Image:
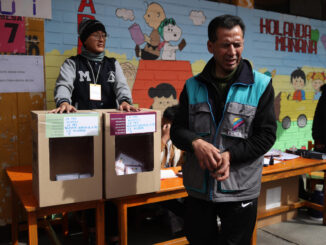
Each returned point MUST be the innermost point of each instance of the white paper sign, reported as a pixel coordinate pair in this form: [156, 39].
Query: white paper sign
[273, 197]
[27, 8]
[21, 73]
[80, 126]
[140, 124]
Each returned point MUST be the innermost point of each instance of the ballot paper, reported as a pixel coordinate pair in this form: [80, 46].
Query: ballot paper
[72, 176]
[127, 165]
[167, 174]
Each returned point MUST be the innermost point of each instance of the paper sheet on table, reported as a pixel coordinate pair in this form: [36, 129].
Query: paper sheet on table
[167, 173]
[286, 156]
[266, 161]
[279, 155]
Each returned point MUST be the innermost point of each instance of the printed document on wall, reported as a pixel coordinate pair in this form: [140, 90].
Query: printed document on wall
[21, 73]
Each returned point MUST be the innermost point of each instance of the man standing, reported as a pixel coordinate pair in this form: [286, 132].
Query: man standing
[225, 123]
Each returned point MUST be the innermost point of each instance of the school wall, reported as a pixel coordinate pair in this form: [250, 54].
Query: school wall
[276, 44]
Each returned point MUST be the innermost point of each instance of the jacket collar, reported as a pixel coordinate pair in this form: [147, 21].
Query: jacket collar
[244, 75]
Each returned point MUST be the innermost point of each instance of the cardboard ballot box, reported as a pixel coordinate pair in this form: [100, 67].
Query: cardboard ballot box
[132, 152]
[67, 157]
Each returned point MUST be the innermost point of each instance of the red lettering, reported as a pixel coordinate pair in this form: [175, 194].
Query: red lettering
[276, 27]
[300, 45]
[290, 44]
[84, 4]
[312, 47]
[264, 26]
[288, 29]
[307, 31]
[279, 41]
[299, 30]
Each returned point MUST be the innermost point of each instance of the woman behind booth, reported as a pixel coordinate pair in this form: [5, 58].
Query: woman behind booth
[319, 123]
[93, 81]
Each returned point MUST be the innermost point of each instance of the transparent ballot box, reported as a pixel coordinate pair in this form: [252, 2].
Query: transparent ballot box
[67, 157]
[132, 152]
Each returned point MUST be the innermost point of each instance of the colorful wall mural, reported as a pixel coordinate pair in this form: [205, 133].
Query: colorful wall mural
[160, 44]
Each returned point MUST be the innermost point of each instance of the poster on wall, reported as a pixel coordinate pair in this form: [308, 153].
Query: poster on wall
[21, 73]
[27, 8]
[12, 38]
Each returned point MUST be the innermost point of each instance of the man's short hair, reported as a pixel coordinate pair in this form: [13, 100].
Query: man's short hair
[224, 21]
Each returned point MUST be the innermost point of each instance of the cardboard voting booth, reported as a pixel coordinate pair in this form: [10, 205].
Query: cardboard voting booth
[67, 157]
[132, 152]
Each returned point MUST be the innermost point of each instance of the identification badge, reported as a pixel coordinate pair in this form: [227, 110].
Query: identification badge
[95, 92]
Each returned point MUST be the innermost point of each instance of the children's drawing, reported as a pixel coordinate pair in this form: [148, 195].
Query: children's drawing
[298, 81]
[169, 31]
[164, 95]
[154, 16]
[198, 18]
[125, 14]
[317, 79]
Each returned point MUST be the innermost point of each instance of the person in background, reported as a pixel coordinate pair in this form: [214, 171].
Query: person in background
[225, 123]
[91, 80]
[88, 81]
[319, 123]
[170, 155]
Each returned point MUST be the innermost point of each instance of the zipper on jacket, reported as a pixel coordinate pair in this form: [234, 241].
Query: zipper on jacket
[238, 83]
[211, 181]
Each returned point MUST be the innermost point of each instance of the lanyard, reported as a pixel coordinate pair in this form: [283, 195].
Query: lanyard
[98, 72]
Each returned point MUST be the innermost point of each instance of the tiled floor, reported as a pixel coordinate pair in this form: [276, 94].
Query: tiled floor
[302, 231]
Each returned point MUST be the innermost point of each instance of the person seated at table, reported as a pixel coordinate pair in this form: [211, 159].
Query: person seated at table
[319, 123]
[170, 212]
[170, 155]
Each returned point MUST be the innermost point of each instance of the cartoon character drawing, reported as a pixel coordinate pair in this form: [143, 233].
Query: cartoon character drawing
[169, 31]
[154, 16]
[270, 74]
[298, 81]
[317, 79]
[164, 95]
[130, 71]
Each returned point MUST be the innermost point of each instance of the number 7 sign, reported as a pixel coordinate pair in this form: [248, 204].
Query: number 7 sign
[12, 38]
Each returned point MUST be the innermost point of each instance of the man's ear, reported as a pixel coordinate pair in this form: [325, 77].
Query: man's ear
[210, 46]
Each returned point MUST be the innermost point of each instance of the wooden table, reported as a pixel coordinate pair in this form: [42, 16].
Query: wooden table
[170, 189]
[21, 182]
[173, 188]
[291, 168]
